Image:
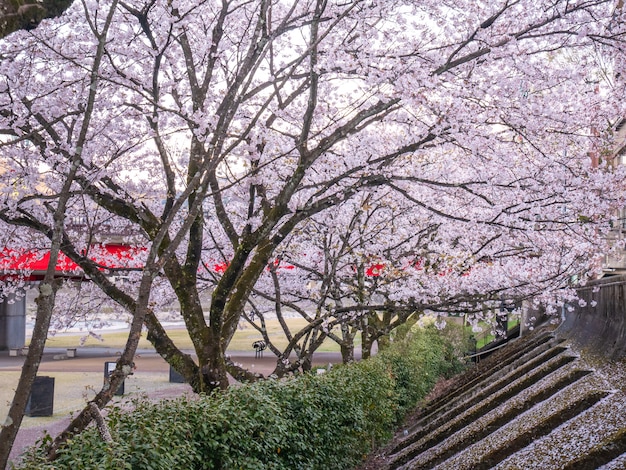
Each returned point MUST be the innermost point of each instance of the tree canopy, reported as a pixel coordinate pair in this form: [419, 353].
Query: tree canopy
[461, 149]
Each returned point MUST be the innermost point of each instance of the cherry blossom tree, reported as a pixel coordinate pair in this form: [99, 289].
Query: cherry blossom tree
[369, 264]
[220, 129]
[52, 220]
[329, 272]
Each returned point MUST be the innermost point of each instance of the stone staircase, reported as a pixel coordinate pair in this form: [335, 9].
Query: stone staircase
[538, 403]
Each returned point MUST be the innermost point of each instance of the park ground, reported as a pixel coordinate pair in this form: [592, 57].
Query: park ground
[78, 379]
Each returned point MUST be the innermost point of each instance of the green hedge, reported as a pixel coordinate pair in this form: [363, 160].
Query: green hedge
[309, 422]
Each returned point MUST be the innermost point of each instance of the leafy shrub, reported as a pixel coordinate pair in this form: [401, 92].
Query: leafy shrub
[310, 422]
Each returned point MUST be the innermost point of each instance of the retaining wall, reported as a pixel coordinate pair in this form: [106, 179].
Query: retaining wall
[599, 323]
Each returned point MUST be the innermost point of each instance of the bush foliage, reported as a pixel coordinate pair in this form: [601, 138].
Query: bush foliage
[309, 422]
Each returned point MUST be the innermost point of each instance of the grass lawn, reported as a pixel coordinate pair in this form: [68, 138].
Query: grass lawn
[486, 337]
[242, 341]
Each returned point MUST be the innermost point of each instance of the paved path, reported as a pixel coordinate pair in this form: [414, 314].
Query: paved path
[77, 379]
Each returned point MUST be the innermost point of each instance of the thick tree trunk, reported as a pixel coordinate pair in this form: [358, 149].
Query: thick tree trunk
[307, 364]
[346, 344]
[366, 345]
[19, 14]
[214, 371]
[347, 352]
[45, 305]
[369, 333]
[284, 368]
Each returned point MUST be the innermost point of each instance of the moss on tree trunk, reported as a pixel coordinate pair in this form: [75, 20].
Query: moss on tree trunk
[18, 14]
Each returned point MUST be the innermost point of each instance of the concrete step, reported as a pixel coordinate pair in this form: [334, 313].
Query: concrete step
[504, 359]
[619, 463]
[554, 374]
[519, 367]
[485, 396]
[550, 407]
[610, 451]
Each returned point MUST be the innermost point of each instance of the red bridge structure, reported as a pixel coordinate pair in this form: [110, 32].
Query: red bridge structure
[31, 265]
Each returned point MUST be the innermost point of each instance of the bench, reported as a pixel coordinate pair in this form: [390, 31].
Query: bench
[259, 347]
[14, 352]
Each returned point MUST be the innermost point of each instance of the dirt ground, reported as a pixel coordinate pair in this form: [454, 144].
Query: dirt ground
[78, 379]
